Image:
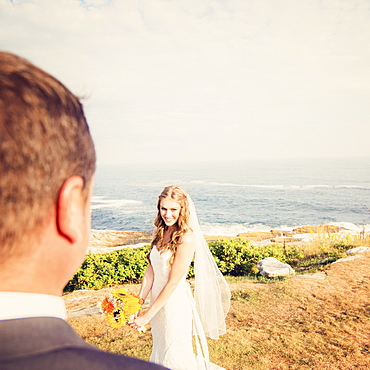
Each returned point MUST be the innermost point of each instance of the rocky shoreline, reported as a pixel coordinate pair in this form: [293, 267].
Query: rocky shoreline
[104, 241]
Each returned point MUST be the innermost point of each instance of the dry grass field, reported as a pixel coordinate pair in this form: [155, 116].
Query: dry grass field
[282, 324]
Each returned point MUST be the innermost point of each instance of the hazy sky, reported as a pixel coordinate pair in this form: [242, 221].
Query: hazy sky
[178, 80]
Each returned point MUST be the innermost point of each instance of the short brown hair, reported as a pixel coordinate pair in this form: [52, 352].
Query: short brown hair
[44, 140]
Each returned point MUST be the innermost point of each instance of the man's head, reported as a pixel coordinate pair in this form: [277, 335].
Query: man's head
[44, 140]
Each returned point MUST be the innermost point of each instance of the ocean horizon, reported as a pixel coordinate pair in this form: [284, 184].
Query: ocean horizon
[238, 196]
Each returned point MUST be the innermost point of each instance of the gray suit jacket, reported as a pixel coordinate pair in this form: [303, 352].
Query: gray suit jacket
[52, 344]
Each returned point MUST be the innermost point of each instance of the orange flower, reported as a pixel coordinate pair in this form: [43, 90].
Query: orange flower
[107, 306]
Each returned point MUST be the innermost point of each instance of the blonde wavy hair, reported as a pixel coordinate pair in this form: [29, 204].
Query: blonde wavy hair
[178, 195]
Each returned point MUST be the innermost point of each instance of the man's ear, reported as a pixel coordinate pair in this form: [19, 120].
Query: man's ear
[71, 209]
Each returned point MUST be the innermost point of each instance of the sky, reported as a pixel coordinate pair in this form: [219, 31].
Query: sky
[201, 80]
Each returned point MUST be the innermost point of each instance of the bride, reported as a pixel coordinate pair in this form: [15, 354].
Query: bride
[174, 314]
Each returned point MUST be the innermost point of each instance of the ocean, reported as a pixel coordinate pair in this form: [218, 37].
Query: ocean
[235, 197]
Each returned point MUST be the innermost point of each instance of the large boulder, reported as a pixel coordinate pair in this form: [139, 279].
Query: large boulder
[271, 267]
[350, 258]
[358, 250]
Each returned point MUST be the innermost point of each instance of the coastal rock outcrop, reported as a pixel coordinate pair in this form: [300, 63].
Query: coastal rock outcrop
[295, 235]
[271, 267]
[330, 229]
[358, 250]
[103, 241]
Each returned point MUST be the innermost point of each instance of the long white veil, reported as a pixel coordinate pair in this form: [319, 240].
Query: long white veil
[212, 293]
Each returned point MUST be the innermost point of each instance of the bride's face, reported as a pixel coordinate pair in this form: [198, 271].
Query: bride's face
[170, 211]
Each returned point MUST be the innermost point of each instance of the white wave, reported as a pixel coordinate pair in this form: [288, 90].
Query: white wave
[351, 187]
[98, 202]
[283, 187]
[197, 182]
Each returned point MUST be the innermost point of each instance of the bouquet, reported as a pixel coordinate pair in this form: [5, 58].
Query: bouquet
[119, 306]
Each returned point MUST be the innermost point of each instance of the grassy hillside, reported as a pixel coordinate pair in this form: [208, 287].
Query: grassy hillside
[282, 324]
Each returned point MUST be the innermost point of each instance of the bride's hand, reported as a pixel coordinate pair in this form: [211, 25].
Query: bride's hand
[139, 321]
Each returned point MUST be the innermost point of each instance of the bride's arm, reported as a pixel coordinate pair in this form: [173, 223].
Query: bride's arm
[183, 258]
[147, 283]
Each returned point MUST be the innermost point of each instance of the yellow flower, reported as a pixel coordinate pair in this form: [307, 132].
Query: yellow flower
[131, 306]
[120, 293]
[116, 318]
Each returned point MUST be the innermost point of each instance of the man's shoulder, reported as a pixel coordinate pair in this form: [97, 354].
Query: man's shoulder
[81, 358]
[48, 343]
[78, 358]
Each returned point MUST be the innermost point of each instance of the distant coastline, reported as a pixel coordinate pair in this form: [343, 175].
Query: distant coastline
[104, 241]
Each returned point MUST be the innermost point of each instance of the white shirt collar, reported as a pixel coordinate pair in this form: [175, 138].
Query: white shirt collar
[16, 305]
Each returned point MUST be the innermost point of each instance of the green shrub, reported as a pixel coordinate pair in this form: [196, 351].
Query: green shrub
[191, 271]
[237, 257]
[107, 269]
[342, 247]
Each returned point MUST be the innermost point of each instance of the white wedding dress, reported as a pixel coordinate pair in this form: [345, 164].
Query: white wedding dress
[173, 325]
